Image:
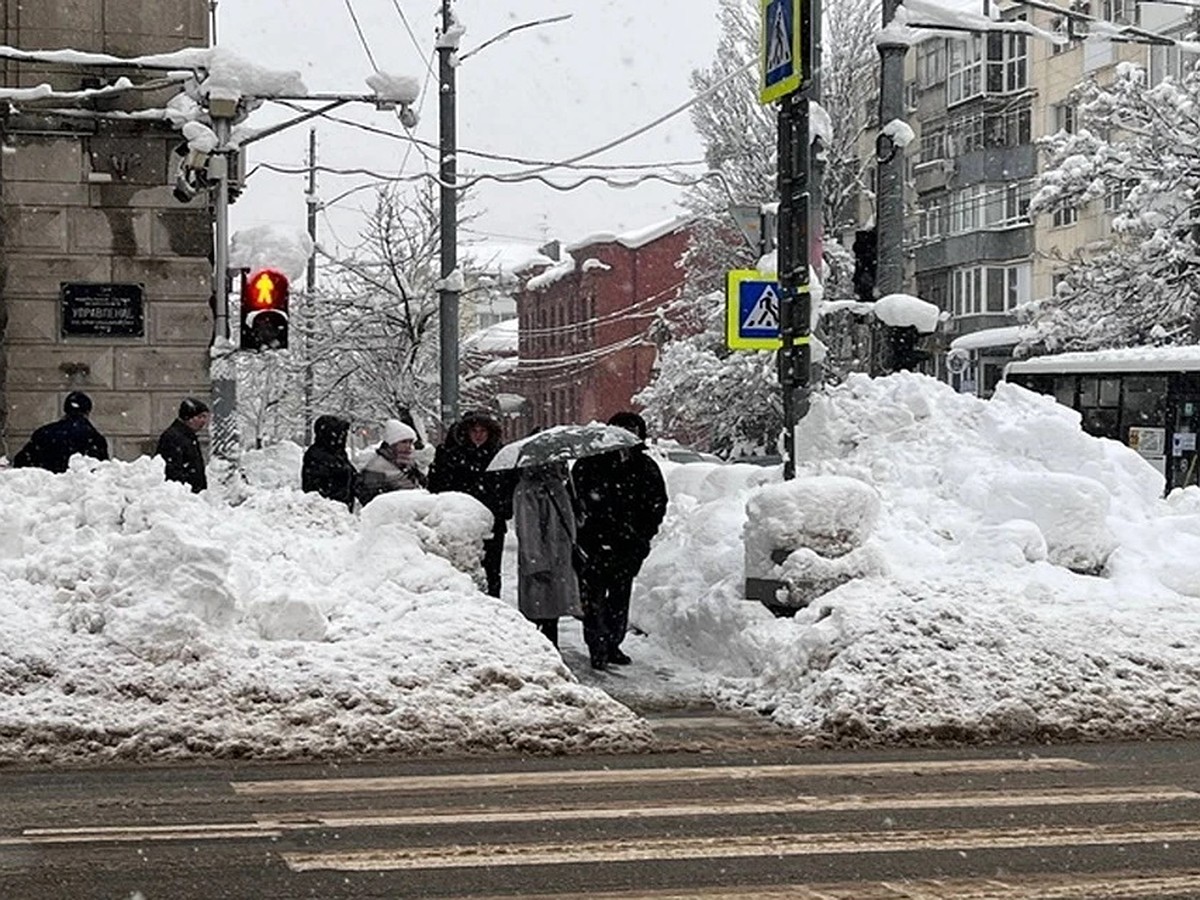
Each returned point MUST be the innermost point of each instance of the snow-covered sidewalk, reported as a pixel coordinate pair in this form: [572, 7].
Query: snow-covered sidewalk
[1006, 577]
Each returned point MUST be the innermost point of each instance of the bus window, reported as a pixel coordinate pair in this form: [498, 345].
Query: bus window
[1145, 401]
[1100, 422]
[1064, 390]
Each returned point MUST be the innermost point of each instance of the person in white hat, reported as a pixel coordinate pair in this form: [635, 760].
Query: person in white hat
[391, 468]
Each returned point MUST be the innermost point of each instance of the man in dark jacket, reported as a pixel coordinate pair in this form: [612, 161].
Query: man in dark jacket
[52, 446]
[179, 446]
[327, 469]
[460, 464]
[622, 500]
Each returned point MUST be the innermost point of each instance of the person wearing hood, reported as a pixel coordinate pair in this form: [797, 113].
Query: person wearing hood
[391, 467]
[622, 500]
[461, 464]
[52, 446]
[544, 518]
[179, 446]
[327, 469]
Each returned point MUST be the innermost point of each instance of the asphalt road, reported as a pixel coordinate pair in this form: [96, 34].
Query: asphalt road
[739, 814]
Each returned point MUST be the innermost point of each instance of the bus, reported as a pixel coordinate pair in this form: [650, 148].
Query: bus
[1146, 397]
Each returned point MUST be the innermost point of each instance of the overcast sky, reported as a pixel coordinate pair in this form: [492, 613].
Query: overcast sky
[547, 93]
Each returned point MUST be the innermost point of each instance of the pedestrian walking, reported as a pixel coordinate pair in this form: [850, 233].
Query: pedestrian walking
[327, 469]
[622, 500]
[460, 464]
[391, 467]
[544, 518]
[179, 445]
[51, 446]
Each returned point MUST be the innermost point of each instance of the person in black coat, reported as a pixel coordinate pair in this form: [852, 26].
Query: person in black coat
[622, 500]
[460, 464]
[52, 446]
[179, 446]
[327, 469]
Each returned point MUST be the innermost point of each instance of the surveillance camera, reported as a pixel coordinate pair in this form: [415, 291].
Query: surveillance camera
[185, 189]
[407, 116]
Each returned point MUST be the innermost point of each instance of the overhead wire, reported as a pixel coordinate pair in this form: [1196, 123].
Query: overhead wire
[362, 38]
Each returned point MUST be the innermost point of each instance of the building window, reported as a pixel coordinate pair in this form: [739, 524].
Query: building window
[932, 212]
[1116, 197]
[990, 289]
[965, 208]
[1007, 69]
[964, 75]
[1007, 206]
[931, 63]
[1123, 12]
[1062, 218]
[1062, 118]
[933, 143]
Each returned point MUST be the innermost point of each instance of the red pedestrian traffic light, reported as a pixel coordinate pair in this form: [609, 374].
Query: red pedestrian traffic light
[265, 310]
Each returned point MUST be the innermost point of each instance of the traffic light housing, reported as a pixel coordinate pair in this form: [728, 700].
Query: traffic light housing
[264, 310]
[865, 257]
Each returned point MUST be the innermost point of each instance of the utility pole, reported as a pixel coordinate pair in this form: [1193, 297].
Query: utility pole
[224, 362]
[310, 285]
[448, 176]
[889, 159]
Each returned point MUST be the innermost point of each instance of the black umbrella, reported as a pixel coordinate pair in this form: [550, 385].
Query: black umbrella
[561, 443]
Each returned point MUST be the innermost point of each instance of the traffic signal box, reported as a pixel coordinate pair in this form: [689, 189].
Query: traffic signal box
[264, 310]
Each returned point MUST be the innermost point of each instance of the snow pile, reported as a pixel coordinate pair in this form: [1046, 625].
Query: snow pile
[1030, 581]
[138, 620]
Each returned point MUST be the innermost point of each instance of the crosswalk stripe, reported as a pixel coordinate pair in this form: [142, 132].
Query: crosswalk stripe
[1112, 885]
[276, 824]
[846, 803]
[733, 847]
[661, 776]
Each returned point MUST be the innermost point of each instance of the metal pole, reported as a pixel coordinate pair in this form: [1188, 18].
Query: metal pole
[794, 305]
[310, 286]
[224, 366]
[448, 293]
[890, 161]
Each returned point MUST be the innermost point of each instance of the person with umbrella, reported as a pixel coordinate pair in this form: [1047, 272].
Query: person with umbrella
[461, 464]
[544, 515]
[622, 500]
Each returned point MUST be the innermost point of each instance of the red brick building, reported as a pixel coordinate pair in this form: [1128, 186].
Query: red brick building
[587, 324]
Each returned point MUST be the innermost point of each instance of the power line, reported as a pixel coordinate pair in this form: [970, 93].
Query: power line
[362, 38]
[501, 157]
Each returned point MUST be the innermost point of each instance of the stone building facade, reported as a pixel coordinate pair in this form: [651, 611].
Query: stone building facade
[87, 214]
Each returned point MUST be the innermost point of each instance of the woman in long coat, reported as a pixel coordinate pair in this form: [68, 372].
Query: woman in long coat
[545, 522]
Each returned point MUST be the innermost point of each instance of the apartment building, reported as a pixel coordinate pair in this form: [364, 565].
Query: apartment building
[978, 105]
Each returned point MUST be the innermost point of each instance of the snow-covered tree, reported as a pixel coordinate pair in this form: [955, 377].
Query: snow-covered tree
[740, 144]
[1135, 152]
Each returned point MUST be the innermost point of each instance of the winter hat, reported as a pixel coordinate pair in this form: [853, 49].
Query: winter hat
[191, 407]
[631, 422]
[77, 404]
[394, 431]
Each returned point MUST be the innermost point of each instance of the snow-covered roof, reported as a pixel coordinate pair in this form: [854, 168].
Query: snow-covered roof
[505, 259]
[1006, 336]
[1121, 359]
[637, 238]
[496, 340]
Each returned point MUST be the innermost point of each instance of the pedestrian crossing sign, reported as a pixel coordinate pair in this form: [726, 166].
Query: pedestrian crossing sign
[780, 49]
[752, 301]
